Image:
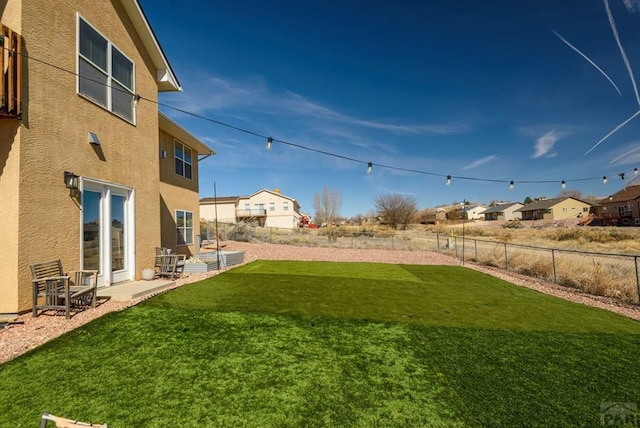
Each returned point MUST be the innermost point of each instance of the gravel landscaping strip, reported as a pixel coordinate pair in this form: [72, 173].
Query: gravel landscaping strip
[28, 332]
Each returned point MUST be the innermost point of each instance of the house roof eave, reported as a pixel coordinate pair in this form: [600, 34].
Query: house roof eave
[177, 131]
[165, 77]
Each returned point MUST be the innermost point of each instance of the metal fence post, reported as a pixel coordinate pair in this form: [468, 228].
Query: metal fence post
[438, 242]
[506, 258]
[475, 244]
[553, 263]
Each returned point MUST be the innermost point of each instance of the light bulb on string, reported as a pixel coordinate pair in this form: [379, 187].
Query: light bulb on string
[448, 180]
[511, 185]
[564, 184]
[604, 179]
[269, 143]
[369, 167]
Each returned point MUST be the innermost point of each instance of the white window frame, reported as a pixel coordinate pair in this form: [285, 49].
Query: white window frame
[111, 82]
[187, 232]
[285, 206]
[183, 160]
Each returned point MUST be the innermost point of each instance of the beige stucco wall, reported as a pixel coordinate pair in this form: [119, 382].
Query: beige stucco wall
[177, 193]
[9, 195]
[278, 217]
[569, 208]
[226, 212]
[53, 138]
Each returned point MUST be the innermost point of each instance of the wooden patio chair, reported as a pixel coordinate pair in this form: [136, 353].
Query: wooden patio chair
[167, 264]
[66, 423]
[61, 290]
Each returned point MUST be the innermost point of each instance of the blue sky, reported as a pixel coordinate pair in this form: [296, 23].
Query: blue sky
[497, 90]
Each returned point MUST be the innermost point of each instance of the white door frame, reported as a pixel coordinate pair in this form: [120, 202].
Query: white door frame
[106, 275]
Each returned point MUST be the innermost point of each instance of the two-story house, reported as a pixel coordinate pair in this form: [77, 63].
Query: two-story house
[265, 207]
[622, 208]
[86, 159]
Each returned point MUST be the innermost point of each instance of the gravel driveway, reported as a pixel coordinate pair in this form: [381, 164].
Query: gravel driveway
[28, 333]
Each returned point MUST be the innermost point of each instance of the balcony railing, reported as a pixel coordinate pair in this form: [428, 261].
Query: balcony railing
[11, 67]
[255, 212]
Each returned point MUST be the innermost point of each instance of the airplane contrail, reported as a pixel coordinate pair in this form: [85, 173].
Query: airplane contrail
[588, 59]
[616, 129]
[622, 52]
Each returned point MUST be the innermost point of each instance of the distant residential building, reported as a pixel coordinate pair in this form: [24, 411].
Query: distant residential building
[505, 211]
[265, 207]
[474, 212]
[555, 209]
[434, 216]
[623, 207]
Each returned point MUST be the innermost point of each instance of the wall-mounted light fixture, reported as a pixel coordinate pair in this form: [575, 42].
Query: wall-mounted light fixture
[93, 138]
[70, 180]
[163, 153]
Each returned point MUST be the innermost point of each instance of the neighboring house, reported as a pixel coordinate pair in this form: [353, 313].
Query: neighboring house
[474, 212]
[267, 208]
[434, 216]
[622, 208]
[507, 211]
[82, 173]
[554, 209]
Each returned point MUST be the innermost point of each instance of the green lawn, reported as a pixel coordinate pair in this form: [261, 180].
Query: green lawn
[334, 344]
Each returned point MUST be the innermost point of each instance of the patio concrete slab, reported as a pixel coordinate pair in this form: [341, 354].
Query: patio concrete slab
[134, 289]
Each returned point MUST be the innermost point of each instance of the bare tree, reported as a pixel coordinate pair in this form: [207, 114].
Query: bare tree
[327, 206]
[396, 210]
[570, 194]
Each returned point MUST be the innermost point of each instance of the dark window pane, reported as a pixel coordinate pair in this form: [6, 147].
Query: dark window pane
[93, 46]
[92, 83]
[122, 69]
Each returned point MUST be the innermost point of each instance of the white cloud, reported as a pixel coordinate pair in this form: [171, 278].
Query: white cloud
[213, 93]
[479, 162]
[544, 145]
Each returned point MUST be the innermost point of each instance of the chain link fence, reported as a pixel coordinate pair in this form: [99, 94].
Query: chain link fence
[605, 274]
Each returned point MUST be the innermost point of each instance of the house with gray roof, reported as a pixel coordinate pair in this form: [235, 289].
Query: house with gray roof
[555, 209]
[506, 211]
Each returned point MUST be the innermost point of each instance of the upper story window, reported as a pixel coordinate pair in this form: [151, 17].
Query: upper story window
[285, 206]
[105, 75]
[184, 158]
[272, 206]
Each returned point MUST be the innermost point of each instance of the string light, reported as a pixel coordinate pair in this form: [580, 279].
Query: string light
[137, 97]
[134, 101]
[564, 184]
